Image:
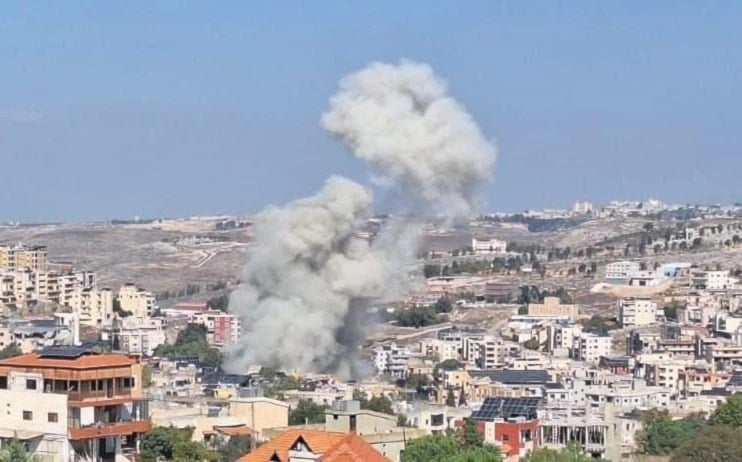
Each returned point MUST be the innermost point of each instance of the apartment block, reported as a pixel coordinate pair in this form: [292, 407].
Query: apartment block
[221, 328]
[711, 280]
[620, 272]
[590, 347]
[552, 306]
[67, 404]
[483, 245]
[634, 312]
[139, 336]
[139, 302]
[95, 307]
[18, 257]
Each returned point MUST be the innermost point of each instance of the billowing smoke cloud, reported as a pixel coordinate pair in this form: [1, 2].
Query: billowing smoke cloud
[400, 120]
[309, 278]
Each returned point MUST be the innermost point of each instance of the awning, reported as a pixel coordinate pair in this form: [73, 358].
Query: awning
[22, 435]
[239, 430]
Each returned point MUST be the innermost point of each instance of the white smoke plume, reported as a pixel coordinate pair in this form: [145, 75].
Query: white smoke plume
[309, 278]
[400, 120]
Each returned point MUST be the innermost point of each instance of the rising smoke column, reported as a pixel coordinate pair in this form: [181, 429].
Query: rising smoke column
[400, 120]
[306, 272]
[309, 279]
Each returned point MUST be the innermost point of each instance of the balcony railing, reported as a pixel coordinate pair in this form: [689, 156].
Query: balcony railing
[77, 396]
[102, 430]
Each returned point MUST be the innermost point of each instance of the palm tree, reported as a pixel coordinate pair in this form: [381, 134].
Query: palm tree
[15, 451]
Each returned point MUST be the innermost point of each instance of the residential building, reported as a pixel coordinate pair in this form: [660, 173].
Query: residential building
[711, 280]
[260, 413]
[221, 328]
[304, 445]
[590, 347]
[620, 272]
[69, 404]
[552, 306]
[18, 257]
[391, 360]
[136, 301]
[440, 349]
[138, 336]
[634, 312]
[485, 245]
[95, 307]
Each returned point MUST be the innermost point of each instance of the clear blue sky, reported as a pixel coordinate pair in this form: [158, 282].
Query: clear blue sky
[117, 109]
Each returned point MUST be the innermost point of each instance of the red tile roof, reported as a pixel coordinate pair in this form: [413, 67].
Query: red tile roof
[333, 446]
[87, 361]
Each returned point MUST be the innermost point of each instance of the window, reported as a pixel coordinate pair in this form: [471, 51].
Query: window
[3, 383]
[505, 437]
[27, 415]
[53, 417]
[30, 384]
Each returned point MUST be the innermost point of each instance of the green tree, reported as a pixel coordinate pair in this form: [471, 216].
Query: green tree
[168, 443]
[378, 404]
[443, 305]
[440, 448]
[450, 398]
[665, 435]
[16, 451]
[307, 412]
[10, 351]
[730, 413]
[572, 453]
[146, 376]
[532, 344]
[715, 443]
[192, 341]
[447, 365]
[234, 448]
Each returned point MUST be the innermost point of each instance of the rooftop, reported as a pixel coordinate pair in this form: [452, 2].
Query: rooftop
[333, 447]
[85, 360]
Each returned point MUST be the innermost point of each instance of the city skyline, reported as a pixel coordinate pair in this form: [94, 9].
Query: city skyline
[160, 111]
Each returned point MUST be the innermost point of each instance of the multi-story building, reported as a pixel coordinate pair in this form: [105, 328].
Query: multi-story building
[69, 404]
[139, 302]
[221, 328]
[590, 347]
[95, 307]
[561, 338]
[138, 336]
[440, 349]
[633, 312]
[17, 257]
[620, 272]
[391, 360]
[483, 245]
[711, 280]
[552, 306]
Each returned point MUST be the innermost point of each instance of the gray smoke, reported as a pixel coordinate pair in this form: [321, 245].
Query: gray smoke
[309, 278]
[400, 120]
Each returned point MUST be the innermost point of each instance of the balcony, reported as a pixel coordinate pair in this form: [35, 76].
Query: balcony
[102, 430]
[95, 397]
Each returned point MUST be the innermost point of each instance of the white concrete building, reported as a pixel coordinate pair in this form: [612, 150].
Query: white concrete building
[484, 245]
[620, 272]
[711, 280]
[391, 360]
[633, 312]
[590, 347]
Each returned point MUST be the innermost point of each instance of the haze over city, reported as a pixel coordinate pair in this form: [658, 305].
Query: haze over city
[156, 109]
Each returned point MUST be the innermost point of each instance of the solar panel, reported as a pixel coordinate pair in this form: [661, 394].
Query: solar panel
[62, 352]
[506, 408]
